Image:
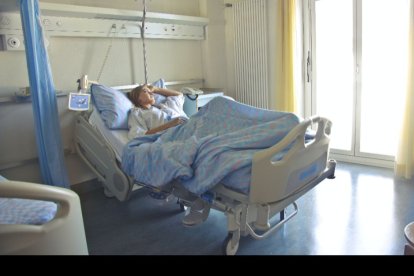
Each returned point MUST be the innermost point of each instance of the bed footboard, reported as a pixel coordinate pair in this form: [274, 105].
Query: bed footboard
[273, 181]
[100, 157]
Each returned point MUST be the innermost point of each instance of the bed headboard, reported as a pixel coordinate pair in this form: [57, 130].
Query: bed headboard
[167, 83]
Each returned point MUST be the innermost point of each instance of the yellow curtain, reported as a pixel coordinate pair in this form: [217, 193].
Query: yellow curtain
[404, 160]
[285, 87]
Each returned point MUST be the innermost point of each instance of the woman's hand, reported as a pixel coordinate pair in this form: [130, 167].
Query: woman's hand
[151, 88]
[172, 123]
[175, 122]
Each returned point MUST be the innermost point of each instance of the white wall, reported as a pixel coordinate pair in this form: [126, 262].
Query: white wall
[70, 57]
[214, 47]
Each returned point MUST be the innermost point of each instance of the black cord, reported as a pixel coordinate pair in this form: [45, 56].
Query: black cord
[193, 99]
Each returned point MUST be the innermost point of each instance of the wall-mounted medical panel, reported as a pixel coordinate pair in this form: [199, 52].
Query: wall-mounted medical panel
[63, 10]
[82, 21]
[80, 27]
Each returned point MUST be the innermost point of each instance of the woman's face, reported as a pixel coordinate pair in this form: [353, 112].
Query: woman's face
[146, 96]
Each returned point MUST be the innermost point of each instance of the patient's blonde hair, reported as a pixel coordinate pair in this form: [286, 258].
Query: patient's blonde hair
[133, 96]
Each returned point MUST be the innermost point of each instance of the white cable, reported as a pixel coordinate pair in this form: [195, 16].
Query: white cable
[144, 48]
[108, 51]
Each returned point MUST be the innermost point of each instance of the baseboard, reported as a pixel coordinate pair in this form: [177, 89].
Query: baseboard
[363, 160]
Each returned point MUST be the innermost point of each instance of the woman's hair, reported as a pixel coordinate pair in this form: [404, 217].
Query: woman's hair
[133, 96]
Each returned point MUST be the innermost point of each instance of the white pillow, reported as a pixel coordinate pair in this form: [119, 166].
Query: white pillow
[114, 106]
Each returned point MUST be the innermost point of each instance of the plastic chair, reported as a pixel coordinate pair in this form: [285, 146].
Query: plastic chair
[409, 236]
[62, 235]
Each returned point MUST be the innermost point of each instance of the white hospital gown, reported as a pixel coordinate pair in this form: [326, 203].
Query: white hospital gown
[141, 120]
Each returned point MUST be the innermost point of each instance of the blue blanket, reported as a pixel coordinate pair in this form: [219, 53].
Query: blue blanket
[215, 146]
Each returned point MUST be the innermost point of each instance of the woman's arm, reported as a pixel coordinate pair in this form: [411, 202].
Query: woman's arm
[172, 123]
[165, 92]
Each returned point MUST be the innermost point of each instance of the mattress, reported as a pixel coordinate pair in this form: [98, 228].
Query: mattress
[116, 138]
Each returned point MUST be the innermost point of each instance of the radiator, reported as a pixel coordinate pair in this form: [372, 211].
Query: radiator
[250, 48]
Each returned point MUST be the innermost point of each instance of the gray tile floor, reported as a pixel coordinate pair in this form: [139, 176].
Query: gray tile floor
[361, 212]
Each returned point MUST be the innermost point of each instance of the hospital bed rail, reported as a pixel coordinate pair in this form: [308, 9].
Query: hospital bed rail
[265, 171]
[275, 185]
[99, 156]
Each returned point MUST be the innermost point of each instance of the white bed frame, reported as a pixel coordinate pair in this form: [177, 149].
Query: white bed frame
[274, 185]
[63, 235]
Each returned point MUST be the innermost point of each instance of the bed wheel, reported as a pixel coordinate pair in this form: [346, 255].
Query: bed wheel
[332, 163]
[227, 248]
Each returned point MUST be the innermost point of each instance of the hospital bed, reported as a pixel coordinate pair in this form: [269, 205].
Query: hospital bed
[39, 219]
[275, 185]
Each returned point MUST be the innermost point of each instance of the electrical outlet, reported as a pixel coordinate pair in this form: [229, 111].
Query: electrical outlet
[12, 43]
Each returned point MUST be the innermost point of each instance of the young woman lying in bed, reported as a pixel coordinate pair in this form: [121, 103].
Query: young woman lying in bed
[147, 117]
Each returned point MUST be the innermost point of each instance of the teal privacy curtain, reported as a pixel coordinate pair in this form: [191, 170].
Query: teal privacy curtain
[45, 112]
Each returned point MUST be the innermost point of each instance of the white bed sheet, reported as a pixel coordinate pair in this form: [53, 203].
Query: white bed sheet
[116, 138]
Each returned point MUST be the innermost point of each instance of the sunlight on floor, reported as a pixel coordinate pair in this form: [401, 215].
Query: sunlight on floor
[354, 216]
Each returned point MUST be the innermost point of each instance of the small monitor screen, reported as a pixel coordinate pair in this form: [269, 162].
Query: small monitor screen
[79, 101]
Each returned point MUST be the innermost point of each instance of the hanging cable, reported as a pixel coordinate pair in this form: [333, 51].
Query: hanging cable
[144, 48]
[108, 51]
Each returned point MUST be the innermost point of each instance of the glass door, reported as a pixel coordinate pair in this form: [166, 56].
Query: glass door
[334, 62]
[359, 54]
[383, 65]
